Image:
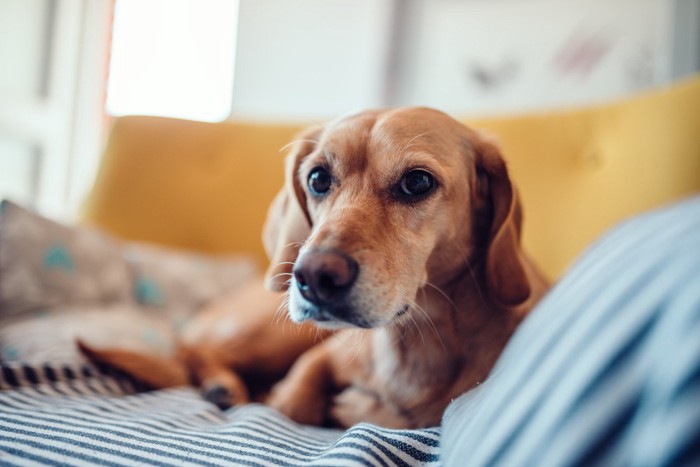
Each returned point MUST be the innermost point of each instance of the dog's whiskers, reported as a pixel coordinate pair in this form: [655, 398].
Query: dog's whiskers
[476, 282]
[408, 145]
[415, 324]
[292, 143]
[358, 346]
[401, 325]
[280, 274]
[280, 313]
[441, 292]
[420, 309]
[318, 337]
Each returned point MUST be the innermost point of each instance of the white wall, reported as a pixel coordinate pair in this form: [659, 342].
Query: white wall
[310, 58]
[320, 58]
[316, 59]
[503, 56]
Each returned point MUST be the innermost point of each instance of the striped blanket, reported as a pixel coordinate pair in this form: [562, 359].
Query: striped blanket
[606, 371]
[81, 415]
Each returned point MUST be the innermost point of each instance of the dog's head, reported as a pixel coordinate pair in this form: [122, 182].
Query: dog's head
[379, 204]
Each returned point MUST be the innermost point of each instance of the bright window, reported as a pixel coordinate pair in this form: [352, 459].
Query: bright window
[173, 58]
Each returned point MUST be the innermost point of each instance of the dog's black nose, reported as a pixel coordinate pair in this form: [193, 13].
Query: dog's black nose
[325, 275]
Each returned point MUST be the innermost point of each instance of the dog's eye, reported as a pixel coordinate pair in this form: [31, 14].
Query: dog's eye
[319, 181]
[417, 182]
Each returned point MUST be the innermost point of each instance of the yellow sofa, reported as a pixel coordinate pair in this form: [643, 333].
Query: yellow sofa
[206, 187]
[603, 372]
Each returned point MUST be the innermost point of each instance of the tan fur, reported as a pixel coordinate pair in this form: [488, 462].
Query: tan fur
[240, 344]
[454, 259]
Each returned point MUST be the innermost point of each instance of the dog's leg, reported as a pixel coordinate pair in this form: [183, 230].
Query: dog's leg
[219, 384]
[356, 405]
[304, 394]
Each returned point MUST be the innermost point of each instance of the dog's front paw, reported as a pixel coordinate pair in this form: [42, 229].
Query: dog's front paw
[356, 405]
[353, 406]
[302, 406]
[225, 389]
[225, 397]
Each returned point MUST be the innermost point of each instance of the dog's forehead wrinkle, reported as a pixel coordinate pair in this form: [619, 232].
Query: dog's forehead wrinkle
[389, 143]
[410, 123]
[402, 141]
[346, 148]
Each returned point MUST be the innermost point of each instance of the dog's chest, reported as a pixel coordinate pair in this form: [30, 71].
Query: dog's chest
[401, 372]
[385, 359]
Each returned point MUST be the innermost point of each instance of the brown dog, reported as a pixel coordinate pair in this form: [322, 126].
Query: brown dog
[406, 222]
[233, 350]
[403, 226]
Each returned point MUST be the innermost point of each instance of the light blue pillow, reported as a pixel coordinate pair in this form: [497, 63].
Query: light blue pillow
[606, 370]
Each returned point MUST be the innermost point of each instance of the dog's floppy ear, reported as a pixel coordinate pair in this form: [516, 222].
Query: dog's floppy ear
[506, 275]
[288, 223]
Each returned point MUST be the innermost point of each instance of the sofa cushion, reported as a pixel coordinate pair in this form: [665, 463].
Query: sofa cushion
[58, 283]
[49, 335]
[580, 171]
[606, 370]
[178, 283]
[44, 264]
[191, 185]
[207, 186]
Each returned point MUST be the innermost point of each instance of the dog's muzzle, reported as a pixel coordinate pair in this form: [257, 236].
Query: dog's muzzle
[324, 279]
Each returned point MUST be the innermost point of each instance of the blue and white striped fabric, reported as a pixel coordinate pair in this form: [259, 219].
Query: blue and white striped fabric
[63, 415]
[606, 371]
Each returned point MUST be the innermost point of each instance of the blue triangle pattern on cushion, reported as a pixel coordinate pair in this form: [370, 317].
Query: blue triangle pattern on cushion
[40, 313]
[153, 338]
[9, 352]
[148, 292]
[58, 257]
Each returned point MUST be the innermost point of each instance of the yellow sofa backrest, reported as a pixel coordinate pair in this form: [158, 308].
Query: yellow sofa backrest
[193, 185]
[581, 171]
[206, 186]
